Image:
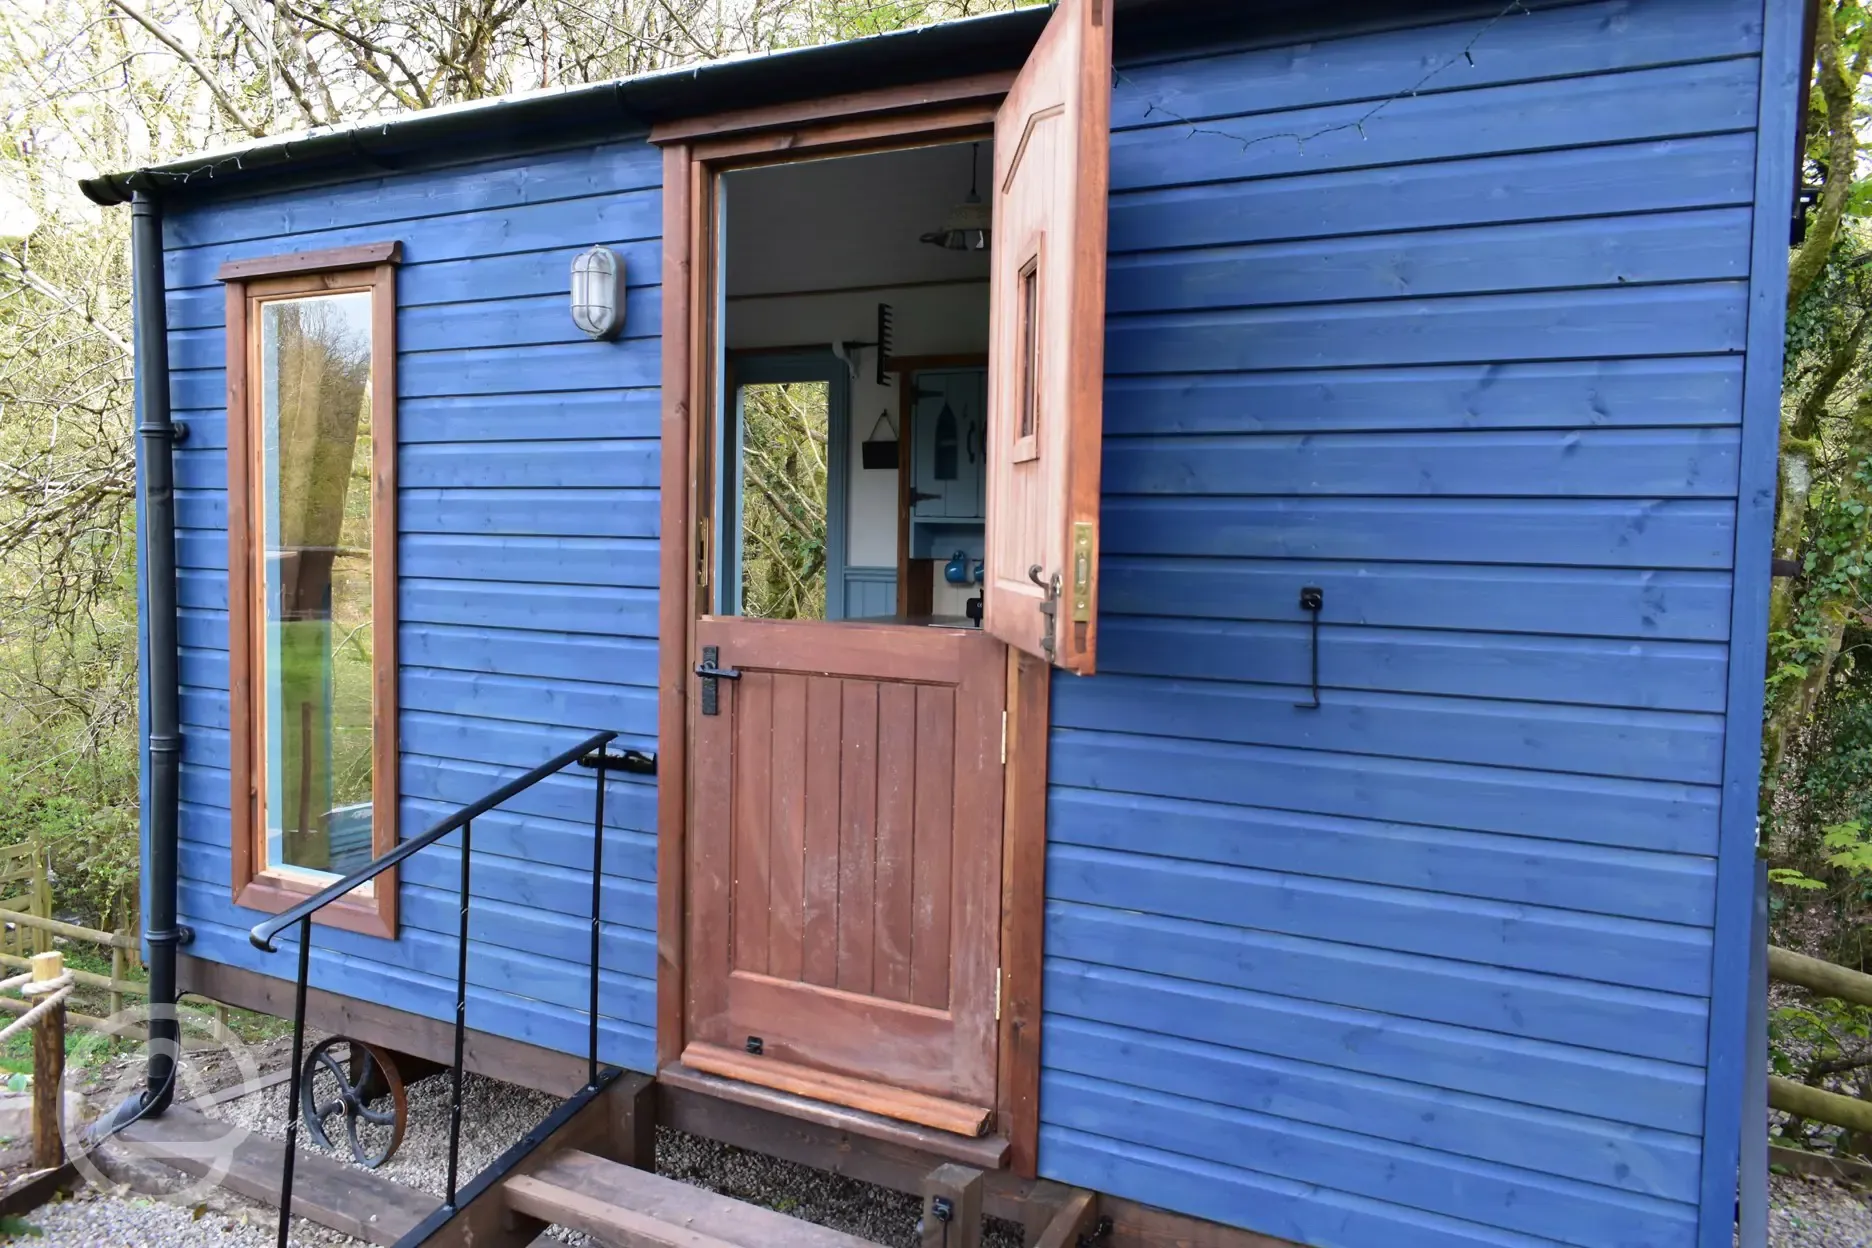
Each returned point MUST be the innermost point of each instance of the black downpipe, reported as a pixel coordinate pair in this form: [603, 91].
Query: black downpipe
[156, 435]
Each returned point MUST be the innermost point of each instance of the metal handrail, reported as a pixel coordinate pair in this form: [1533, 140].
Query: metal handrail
[262, 936]
[263, 933]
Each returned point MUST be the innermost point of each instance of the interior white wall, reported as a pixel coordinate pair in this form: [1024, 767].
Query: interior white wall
[799, 238]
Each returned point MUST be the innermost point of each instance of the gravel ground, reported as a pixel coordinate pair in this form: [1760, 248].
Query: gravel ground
[106, 1220]
[120, 1218]
[1813, 1213]
[494, 1116]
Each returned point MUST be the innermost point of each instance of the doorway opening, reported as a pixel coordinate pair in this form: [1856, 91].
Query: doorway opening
[845, 845]
[852, 432]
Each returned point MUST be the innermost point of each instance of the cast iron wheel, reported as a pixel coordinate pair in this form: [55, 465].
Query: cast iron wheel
[351, 1086]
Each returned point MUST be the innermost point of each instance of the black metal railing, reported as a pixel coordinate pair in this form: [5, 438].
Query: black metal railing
[591, 752]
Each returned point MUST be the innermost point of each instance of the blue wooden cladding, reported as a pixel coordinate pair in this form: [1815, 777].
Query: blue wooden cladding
[1431, 964]
[527, 473]
[1472, 324]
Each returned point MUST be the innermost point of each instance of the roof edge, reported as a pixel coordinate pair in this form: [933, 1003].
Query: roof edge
[613, 109]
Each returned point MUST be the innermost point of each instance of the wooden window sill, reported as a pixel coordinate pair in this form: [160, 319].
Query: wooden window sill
[361, 915]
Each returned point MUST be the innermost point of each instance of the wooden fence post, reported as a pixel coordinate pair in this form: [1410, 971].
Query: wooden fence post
[120, 971]
[48, 1070]
[952, 1216]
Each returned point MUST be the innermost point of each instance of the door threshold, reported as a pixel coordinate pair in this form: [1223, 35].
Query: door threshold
[985, 1152]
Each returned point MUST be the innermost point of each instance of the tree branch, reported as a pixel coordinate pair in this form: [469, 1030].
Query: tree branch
[33, 282]
[215, 88]
[1837, 91]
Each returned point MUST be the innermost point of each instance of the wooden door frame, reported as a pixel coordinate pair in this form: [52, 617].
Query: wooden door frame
[694, 154]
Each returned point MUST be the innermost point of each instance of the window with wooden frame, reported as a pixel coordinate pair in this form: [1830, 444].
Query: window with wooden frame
[311, 342]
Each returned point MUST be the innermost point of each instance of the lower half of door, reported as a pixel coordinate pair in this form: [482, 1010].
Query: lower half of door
[845, 865]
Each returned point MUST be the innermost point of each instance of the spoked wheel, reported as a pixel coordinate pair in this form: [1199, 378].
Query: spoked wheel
[349, 1077]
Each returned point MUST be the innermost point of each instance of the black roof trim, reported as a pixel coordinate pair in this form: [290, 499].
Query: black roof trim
[598, 110]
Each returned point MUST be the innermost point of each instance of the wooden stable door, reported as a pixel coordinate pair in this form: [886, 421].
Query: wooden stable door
[1046, 360]
[845, 864]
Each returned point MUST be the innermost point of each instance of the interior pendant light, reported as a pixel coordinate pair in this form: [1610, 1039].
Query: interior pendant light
[969, 225]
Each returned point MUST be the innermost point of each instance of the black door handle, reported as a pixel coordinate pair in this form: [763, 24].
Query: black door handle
[710, 670]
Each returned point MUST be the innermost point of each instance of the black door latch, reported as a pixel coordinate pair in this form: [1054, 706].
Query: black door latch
[710, 670]
[1312, 598]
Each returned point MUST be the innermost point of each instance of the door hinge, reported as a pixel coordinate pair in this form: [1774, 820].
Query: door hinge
[997, 994]
[1004, 738]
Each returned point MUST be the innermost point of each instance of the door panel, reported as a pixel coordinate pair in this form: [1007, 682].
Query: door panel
[846, 852]
[1047, 335]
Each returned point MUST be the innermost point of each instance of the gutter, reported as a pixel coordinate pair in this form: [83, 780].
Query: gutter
[157, 435]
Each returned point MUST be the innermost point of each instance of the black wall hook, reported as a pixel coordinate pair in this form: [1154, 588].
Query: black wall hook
[1312, 598]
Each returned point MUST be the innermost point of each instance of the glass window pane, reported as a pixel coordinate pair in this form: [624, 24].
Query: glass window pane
[783, 499]
[316, 538]
[1030, 349]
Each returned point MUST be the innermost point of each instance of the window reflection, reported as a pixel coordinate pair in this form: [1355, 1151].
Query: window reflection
[316, 535]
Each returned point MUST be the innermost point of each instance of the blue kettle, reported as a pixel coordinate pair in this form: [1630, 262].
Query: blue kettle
[957, 570]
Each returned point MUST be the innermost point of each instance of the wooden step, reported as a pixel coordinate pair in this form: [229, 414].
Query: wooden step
[988, 1152]
[357, 1202]
[627, 1208]
[955, 1117]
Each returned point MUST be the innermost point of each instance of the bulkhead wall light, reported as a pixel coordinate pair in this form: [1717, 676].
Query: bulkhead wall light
[598, 292]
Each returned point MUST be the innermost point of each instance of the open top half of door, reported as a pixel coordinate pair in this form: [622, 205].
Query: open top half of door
[1047, 334]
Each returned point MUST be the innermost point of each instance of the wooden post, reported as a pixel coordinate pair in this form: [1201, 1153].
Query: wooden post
[48, 1070]
[959, 1189]
[41, 903]
[633, 1122]
[1073, 1214]
[120, 971]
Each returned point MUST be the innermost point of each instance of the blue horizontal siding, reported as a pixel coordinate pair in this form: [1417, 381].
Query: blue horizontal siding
[1439, 988]
[1604, 323]
[1482, 1191]
[1449, 322]
[1633, 106]
[1587, 39]
[527, 471]
[1561, 874]
[1584, 740]
[1653, 534]
[618, 215]
[1667, 247]
[1609, 673]
[1636, 604]
[1592, 463]
[1593, 1083]
[1680, 173]
[1566, 394]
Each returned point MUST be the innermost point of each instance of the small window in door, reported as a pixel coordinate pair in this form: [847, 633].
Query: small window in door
[781, 495]
[1027, 442]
